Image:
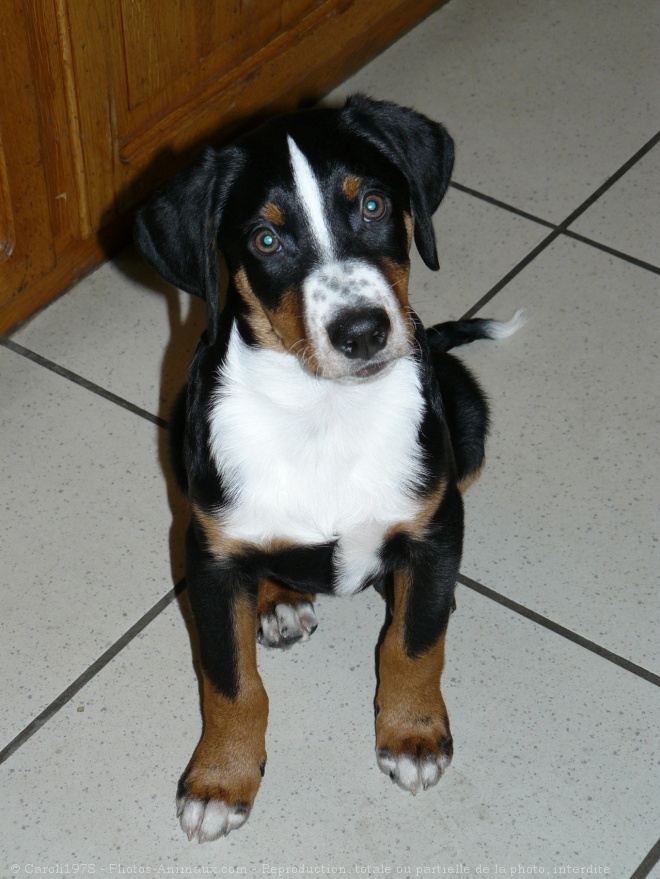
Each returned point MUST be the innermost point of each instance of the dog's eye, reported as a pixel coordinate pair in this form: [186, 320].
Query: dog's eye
[374, 207]
[267, 242]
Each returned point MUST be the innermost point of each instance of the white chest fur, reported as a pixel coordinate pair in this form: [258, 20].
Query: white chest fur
[311, 460]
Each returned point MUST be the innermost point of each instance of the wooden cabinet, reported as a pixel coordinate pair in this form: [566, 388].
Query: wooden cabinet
[100, 100]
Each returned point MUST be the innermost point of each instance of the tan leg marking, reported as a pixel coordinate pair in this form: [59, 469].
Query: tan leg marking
[217, 790]
[413, 740]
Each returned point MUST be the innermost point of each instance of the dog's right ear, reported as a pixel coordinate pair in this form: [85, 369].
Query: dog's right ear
[177, 231]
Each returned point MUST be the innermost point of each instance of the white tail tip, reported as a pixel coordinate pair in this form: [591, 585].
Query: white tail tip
[502, 329]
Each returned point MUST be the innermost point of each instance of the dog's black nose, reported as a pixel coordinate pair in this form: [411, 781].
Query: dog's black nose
[360, 333]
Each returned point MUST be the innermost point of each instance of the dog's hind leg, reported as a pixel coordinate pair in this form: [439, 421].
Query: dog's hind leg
[284, 615]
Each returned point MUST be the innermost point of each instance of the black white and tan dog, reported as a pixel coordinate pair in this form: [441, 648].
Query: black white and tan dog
[325, 436]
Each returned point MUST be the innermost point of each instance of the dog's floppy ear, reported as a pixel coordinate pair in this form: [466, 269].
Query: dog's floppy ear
[420, 148]
[177, 230]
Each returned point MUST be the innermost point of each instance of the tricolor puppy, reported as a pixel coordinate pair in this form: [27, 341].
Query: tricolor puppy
[327, 436]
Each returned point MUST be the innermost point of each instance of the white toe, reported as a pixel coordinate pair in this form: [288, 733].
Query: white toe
[411, 773]
[270, 633]
[429, 773]
[307, 617]
[287, 624]
[407, 773]
[191, 815]
[214, 823]
[209, 821]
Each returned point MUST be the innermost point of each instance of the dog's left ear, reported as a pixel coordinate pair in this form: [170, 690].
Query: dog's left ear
[177, 231]
[420, 148]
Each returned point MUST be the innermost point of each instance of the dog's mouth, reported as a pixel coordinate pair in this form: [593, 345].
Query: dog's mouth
[371, 369]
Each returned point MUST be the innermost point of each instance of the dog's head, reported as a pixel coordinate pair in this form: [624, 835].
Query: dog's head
[314, 214]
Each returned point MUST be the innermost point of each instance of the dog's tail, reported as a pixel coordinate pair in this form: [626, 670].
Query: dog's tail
[452, 333]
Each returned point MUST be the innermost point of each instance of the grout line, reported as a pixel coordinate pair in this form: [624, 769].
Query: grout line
[648, 863]
[562, 228]
[524, 262]
[90, 672]
[592, 242]
[501, 204]
[612, 251]
[648, 146]
[558, 629]
[82, 382]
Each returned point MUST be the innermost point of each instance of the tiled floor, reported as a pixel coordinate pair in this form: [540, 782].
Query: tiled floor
[553, 666]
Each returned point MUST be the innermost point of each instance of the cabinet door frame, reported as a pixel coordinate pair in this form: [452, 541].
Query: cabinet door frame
[75, 159]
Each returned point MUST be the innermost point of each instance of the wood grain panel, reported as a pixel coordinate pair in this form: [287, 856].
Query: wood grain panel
[64, 137]
[93, 55]
[26, 196]
[295, 68]
[101, 101]
[294, 10]
[171, 47]
[7, 232]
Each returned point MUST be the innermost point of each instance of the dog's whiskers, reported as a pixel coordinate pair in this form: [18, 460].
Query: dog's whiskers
[304, 353]
[415, 346]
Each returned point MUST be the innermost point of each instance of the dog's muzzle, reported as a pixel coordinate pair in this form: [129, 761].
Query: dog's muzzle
[353, 320]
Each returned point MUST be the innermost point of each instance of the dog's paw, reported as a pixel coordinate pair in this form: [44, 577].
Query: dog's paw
[419, 765]
[285, 624]
[211, 803]
[209, 819]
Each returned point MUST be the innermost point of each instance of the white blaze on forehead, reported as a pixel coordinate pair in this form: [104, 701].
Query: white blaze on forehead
[309, 193]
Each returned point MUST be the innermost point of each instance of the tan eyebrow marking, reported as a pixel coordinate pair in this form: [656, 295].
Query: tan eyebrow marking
[351, 187]
[273, 214]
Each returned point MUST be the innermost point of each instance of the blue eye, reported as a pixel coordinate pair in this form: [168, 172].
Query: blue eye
[374, 207]
[266, 242]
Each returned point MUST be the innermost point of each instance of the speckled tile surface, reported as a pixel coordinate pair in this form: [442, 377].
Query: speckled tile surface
[623, 217]
[556, 767]
[546, 100]
[85, 521]
[565, 517]
[477, 245]
[532, 781]
[124, 329]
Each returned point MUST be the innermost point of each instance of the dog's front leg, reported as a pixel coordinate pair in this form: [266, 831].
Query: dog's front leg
[413, 740]
[217, 790]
